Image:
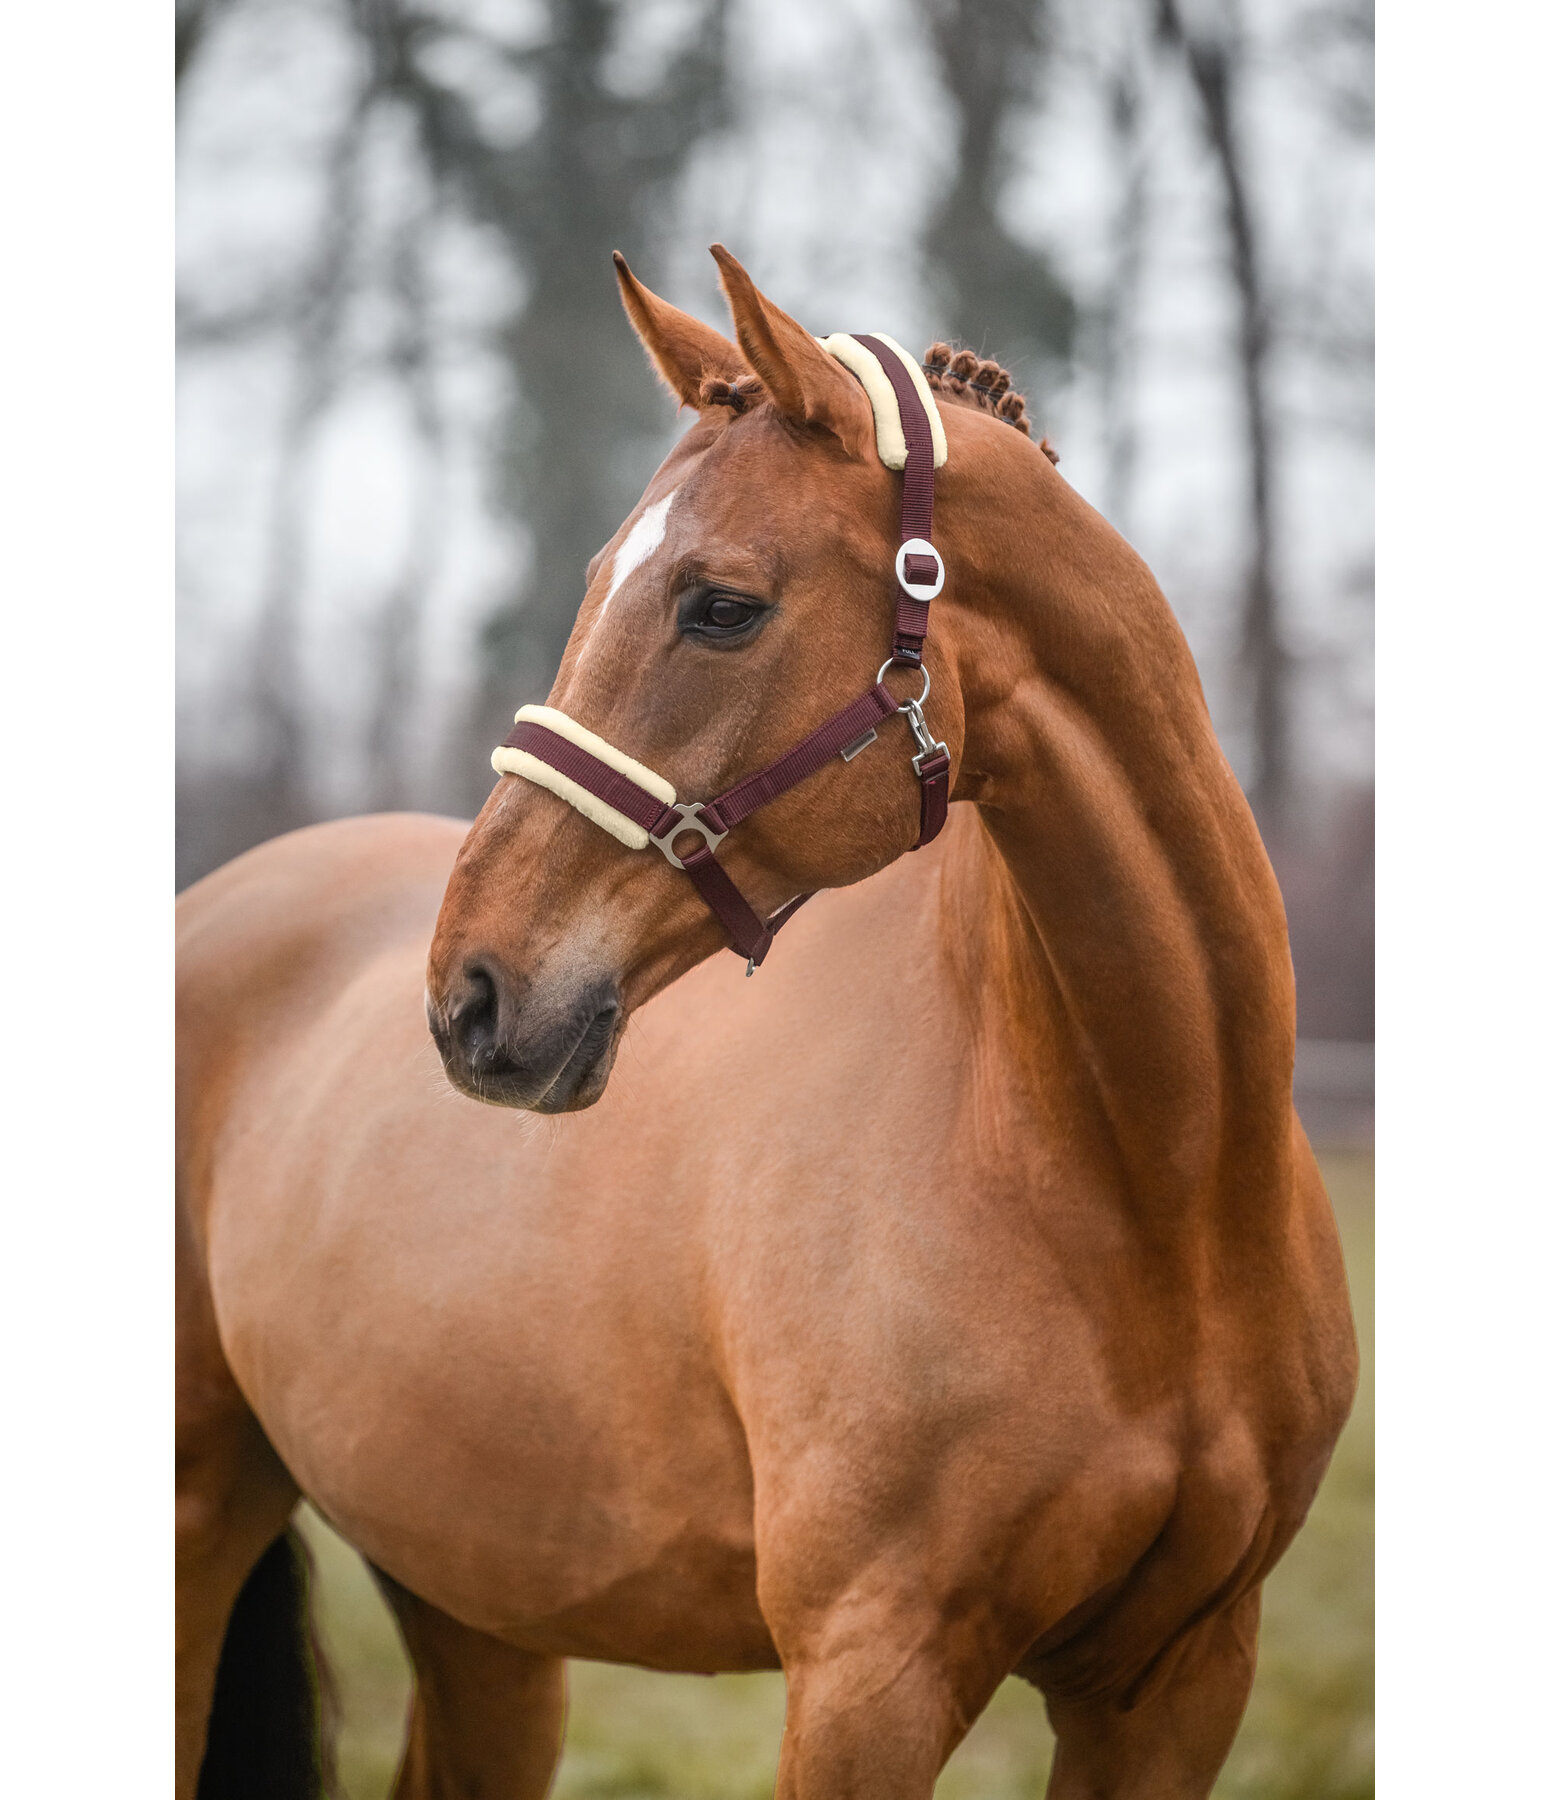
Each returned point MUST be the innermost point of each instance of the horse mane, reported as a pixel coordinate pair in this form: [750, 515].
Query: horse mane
[957, 375]
[980, 382]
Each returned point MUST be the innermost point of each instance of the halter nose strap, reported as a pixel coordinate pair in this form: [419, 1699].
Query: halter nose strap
[640, 807]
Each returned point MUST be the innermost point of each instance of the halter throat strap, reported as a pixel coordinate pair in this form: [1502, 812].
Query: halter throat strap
[640, 807]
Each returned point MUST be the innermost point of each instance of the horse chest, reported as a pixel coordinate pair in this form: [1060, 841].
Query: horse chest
[546, 1393]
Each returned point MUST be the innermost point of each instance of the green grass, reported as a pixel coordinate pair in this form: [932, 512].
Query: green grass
[639, 1736]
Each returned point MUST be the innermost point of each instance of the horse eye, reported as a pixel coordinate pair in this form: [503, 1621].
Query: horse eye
[713, 616]
[725, 614]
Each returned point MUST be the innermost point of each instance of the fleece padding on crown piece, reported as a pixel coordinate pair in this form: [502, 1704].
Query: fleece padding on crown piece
[885, 402]
[507, 760]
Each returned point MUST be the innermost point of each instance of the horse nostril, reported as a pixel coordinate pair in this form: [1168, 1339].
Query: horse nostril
[473, 1020]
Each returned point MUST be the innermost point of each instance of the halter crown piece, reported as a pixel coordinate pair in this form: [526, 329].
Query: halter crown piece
[641, 808]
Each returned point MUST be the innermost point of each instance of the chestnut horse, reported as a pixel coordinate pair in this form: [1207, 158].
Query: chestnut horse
[958, 1298]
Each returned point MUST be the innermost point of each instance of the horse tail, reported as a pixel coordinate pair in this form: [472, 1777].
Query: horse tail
[271, 1724]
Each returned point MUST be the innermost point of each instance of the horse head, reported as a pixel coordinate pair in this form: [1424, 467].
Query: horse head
[743, 602]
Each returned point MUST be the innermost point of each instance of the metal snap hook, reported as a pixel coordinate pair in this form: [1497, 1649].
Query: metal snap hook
[914, 716]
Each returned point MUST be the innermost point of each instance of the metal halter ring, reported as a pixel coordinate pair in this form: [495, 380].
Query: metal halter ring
[920, 590]
[687, 811]
[925, 692]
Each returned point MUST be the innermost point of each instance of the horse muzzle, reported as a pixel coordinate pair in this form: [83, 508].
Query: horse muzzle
[545, 1050]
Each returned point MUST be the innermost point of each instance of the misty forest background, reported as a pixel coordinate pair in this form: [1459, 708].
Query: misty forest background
[411, 409]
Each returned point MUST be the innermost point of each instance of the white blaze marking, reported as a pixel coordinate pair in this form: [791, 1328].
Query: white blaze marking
[645, 536]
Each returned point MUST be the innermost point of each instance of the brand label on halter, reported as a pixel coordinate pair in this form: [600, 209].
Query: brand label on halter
[885, 402]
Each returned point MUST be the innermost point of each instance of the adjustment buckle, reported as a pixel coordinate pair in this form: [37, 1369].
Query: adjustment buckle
[920, 590]
[688, 815]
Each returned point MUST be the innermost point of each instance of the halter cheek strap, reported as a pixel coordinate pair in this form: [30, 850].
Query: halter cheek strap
[640, 807]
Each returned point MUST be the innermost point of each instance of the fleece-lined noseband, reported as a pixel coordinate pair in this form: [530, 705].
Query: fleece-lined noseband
[641, 808]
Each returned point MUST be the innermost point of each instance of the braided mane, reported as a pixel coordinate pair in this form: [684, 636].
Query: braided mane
[977, 381]
[954, 374]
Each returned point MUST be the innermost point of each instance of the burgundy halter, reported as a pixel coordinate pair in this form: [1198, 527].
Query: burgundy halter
[920, 573]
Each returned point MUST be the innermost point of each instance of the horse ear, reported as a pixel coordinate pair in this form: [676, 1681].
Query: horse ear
[806, 384]
[684, 352]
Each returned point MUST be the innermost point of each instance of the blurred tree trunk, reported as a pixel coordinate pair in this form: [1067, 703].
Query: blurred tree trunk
[1000, 297]
[398, 624]
[279, 698]
[1213, 59]
[191, 22]
[1119, 327]
[584, 421]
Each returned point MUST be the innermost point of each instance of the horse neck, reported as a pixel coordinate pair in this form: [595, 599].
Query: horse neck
[1133, 938]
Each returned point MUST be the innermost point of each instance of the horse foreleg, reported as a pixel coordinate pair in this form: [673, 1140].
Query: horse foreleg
[1169, 1744]
[488, 1720]
[879, 1698]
